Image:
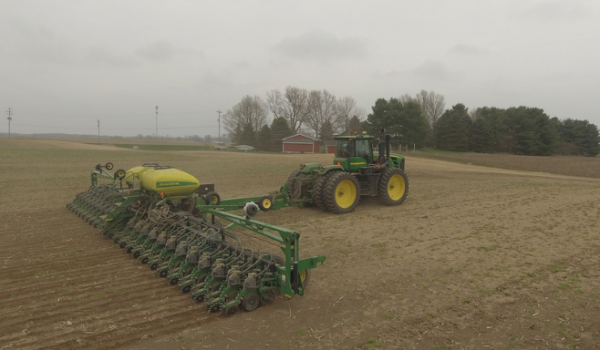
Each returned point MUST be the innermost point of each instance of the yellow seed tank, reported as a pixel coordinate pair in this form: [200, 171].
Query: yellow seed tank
[165, 180]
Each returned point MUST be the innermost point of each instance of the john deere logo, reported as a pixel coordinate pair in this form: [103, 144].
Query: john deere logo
[161, 184]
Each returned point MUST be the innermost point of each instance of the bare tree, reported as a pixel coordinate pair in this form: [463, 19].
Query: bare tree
[276, 103]
[345, 109]
[321, 109]
[291, 105]
[432, 105]
[250, 110]
[474, 113]
[407, 98]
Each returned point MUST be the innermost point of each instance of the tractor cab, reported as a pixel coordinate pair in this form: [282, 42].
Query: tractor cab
[353, 152]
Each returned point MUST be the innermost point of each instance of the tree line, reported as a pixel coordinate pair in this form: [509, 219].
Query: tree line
[415, 121]
[315, 112]
[521, 130]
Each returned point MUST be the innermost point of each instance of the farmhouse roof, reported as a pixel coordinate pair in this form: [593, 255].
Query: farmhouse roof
[302, 135]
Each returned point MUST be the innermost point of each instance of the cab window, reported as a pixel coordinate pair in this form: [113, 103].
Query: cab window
[344, 148]
[363, 150]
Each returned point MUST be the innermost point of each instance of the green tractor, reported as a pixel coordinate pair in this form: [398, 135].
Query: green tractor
[357, 170]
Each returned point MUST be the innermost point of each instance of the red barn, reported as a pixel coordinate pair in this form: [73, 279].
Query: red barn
[301, 144]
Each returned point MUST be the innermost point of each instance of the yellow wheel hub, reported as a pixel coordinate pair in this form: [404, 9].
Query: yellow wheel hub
[345, 194]
[396, 187]
[266, 203]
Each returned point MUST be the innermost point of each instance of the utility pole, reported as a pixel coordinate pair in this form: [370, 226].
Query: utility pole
[98, 130]
[219, 139]
[156, 121]
[9, 112]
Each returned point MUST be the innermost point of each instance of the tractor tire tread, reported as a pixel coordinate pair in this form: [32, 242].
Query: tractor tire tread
[384, 180]
[330, 192]
[319, 197]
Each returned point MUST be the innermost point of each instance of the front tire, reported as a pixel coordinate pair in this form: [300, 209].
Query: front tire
[393, 186]
[342, 193]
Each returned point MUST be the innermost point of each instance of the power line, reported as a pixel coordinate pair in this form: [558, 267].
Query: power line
[96, 115]
[219, 111]
[9, 112]
[41, 126]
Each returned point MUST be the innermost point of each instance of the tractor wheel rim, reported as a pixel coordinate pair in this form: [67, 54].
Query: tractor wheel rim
[266, 203]
[345, 194]
[396, 187]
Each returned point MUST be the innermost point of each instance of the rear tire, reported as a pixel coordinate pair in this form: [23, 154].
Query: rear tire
[293, 191]
[393, 186]
[342, 193]
[318, 195]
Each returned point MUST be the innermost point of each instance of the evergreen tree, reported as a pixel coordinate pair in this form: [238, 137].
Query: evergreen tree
[326, 133]
[264, 140]
[452, 129]
[495, 118]
[404, 121]
[482, 138]
[248, 136]
[579, 137]
[534, 132]
[355, 125]
[237, 134]
[591, 140]
[416, 128]
[279, 130]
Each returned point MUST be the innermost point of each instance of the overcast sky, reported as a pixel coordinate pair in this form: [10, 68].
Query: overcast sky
[66, 64]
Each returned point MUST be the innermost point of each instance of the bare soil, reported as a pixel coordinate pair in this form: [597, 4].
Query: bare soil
[476, 258]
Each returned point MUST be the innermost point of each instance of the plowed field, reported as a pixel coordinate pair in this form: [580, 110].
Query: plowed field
[476, 258]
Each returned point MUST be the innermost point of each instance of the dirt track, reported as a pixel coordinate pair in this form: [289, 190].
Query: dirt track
[475, 258]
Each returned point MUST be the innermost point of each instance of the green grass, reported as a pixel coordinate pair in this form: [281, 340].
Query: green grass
[372, 343]
[435, 151]
[162, 147]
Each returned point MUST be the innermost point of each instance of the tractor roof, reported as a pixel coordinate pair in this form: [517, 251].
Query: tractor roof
[353, 136]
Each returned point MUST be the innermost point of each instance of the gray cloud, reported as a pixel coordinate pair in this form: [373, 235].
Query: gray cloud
[160, 51]
[321, 45]
[468, 50]
[216, 80]
[34, 43]
[431, 69]
[559, 10]
[105, 57]
[428, 70]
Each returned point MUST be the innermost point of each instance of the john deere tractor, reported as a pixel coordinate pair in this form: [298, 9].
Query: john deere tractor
[357, 170]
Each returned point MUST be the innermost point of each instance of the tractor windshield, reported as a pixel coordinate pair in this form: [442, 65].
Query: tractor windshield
[344, 148]
[364, 150]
